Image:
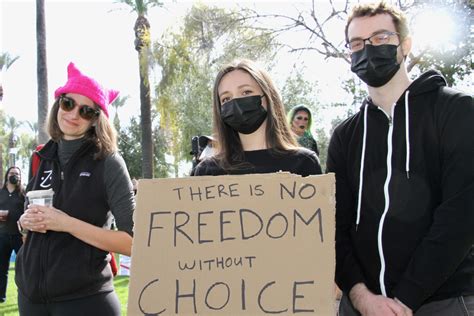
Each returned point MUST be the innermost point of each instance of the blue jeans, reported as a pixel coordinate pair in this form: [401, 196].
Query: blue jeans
[8, 243]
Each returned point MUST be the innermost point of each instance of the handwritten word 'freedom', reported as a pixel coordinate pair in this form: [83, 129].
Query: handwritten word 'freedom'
[251, 225]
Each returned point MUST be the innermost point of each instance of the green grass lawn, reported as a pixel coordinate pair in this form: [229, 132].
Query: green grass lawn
[10, 307]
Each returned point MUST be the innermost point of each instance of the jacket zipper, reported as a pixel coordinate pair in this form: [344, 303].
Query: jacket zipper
[44, 269]
[44, 261]
[387, 199]
[42, 277]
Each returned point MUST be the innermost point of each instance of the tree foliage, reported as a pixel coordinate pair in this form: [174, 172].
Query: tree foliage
[10, 137]
[118, 103]
[323, 143]
[141, 6]
[131, 151]
[6, 60]
[356, 89]
[453, 57]
[299, 91]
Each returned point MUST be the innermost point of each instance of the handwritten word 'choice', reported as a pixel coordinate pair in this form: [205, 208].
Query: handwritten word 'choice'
[218, 295]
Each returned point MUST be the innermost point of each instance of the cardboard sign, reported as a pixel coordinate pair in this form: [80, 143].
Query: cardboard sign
[234, 245]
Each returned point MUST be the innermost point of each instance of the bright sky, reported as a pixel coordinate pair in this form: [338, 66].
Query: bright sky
[98, 37]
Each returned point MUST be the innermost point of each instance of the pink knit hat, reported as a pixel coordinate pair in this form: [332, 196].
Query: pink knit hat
[88, 87]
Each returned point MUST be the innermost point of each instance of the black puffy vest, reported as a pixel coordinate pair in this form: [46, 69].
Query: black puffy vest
[57, 266]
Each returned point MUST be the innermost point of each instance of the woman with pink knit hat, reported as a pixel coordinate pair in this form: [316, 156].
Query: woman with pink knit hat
[63, 267]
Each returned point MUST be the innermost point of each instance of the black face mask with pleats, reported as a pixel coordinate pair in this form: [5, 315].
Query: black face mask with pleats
[244, 115]
[375, 65]
[13, 180]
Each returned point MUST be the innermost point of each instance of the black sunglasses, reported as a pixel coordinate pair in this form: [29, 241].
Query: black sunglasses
[86, 112]
[299, 118]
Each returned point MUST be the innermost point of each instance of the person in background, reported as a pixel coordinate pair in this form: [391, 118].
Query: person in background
[250, 126]
[134, 186]
[63, 267]
[404, 168]
[300, 120]
[12, 200]
[201, 148]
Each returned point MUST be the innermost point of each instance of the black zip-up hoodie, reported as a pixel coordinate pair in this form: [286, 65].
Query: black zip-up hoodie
[57, 266]
[406, 227]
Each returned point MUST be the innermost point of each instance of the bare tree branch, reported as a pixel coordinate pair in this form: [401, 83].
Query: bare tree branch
[415, 59]
[309, 22]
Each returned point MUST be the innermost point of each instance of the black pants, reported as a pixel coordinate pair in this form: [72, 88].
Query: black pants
[8, 244]
[103, 304]
[456, 306]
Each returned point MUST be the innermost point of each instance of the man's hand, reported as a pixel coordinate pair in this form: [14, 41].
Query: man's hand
[407, 310]
[370, 304]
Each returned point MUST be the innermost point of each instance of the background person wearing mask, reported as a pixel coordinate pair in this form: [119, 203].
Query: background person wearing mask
[12, 202]
[249, 123]
[300, 120]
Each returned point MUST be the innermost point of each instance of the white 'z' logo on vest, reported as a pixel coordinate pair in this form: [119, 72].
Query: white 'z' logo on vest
[46, 179]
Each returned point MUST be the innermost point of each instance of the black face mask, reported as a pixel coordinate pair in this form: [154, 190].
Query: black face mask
[245, 115]
[375, 65]
[13, 180]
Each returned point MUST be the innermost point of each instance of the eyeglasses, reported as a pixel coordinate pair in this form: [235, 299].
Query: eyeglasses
[377, 39]
[86, 112]
[299, 118]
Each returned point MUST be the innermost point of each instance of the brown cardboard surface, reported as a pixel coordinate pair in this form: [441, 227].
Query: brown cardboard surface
[234, 245]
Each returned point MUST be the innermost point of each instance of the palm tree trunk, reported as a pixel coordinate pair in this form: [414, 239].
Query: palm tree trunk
[145, 118]
[142, 44]
[41, 71]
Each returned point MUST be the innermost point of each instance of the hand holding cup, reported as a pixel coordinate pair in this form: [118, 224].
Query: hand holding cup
[3, 215]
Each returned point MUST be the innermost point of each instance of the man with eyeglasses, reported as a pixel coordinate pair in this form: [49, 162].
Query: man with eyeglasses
[404, 169]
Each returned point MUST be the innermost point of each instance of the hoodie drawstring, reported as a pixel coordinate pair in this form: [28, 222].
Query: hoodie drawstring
[362, 158]
[387, 180]
[362, 162]
[407, 136]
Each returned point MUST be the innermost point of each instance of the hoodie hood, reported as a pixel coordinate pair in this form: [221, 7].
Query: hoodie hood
[426, 82]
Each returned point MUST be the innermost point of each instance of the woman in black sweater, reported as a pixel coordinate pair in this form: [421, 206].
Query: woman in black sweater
[250, 126]
[12, 201]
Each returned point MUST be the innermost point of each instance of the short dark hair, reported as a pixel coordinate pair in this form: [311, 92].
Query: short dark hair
[370, 9]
